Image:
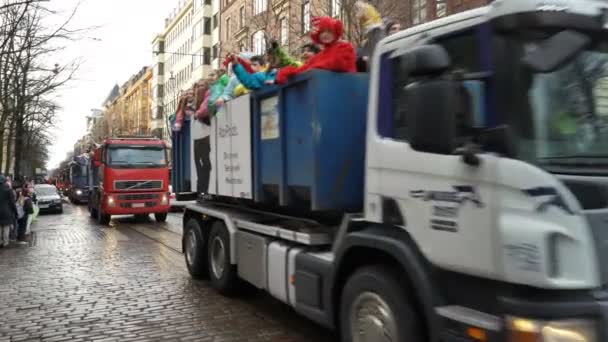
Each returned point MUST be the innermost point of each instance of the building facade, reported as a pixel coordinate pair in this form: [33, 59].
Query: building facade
[248, 25]
[185, 52]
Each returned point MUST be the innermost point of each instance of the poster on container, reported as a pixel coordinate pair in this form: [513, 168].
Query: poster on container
[269, 120]
[222, 152]
[237, 168]
[203, 154]
[224, 156]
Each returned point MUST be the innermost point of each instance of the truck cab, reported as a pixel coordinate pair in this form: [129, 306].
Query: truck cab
[129, 176]
[485, 194]
[78, 174]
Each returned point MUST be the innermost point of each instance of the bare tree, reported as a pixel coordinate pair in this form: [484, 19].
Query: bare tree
[27, 81]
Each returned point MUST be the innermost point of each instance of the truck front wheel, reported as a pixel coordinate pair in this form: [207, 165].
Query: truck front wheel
[375, 307]
[194, 250]
[160, 217]
[222, 273]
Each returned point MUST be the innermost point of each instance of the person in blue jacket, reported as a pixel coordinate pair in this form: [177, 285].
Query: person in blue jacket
[256, 80]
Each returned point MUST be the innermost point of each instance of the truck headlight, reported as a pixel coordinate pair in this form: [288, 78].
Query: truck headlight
[78, 192]
[529, 330]
[164, 200]
[111, 202]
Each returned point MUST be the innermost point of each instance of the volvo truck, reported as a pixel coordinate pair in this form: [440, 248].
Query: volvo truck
[129, 176]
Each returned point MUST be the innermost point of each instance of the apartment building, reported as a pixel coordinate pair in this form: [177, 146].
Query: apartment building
[186, 51]
[128, 108]
[250, 24]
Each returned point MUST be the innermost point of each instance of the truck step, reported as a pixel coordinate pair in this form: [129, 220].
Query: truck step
[470, 317]
[301, 231]
[305, 237]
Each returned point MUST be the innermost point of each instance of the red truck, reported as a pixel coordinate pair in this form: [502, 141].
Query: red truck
[129, 176]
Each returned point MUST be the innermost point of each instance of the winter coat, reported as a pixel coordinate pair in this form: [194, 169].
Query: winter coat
[254, 81]
[8, 208]
[338, 55]
[216, 90]
[229, 90]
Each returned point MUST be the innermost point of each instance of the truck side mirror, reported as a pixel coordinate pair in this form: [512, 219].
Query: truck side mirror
[96, 158]
[431, 107]
[425, 60]
[430, 100]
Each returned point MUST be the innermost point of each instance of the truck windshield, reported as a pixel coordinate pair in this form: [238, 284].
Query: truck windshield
[560, 117]
[136, 157]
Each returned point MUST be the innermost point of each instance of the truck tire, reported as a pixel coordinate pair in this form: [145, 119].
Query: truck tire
[375, 307]
[222, 273]
[103, 218]
[160, 217]
[194, 250]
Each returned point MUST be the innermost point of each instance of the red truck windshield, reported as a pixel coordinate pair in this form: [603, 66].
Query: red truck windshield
[137, 157]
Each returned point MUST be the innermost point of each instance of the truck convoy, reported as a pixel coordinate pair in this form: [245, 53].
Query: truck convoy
[468, 169]
[78, 189]
[129, 176]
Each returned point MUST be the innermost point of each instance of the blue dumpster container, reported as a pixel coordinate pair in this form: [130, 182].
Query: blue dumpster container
[309, 142]
[180, 156]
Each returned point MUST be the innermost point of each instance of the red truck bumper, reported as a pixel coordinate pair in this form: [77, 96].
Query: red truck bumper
[136, 203]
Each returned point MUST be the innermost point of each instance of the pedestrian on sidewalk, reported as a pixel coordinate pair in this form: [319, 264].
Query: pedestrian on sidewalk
[27, 204]
[15, 226]
[8, 212]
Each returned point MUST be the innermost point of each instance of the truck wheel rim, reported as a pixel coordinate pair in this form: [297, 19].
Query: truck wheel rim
[371, 319]
[218, 257]
[190, 247]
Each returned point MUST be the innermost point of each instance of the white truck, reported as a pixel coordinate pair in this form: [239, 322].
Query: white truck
[485, 207]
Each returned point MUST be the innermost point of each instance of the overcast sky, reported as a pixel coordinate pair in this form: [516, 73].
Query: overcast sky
[127, 30]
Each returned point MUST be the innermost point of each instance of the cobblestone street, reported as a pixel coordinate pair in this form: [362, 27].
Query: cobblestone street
[78, 281]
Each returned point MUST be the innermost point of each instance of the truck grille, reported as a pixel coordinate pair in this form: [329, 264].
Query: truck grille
[138, 197]
[139, 185]
[129, 205]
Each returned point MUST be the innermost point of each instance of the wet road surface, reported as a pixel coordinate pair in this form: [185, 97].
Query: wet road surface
[78, 281]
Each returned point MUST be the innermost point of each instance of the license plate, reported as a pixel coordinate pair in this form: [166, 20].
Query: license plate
[43, 206]
[138, 205]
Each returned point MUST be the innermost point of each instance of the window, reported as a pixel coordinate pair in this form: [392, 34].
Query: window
[197, 59]
[284, 31]
[215, 21]
[306, 16]
[258, 43]
[228, 29]
[259, 6]
[242, 17]
[207, 25]
[419, 11]
[214, 51]
[160, 91]
[336, 8]
[161, 69]
[206, 56]
[440, 8]
[207, 2]
[465, 54]
[243, 45]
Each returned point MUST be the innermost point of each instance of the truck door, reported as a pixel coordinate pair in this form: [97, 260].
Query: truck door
[445, 204]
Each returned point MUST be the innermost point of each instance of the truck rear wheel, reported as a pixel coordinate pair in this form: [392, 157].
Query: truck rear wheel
[374, 307]
[194, 250]
[222, 273]
[160, 217]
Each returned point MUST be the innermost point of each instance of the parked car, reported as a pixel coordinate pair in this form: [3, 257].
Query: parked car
[49, 199]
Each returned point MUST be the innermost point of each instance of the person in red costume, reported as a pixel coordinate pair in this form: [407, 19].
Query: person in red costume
[337, 55]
